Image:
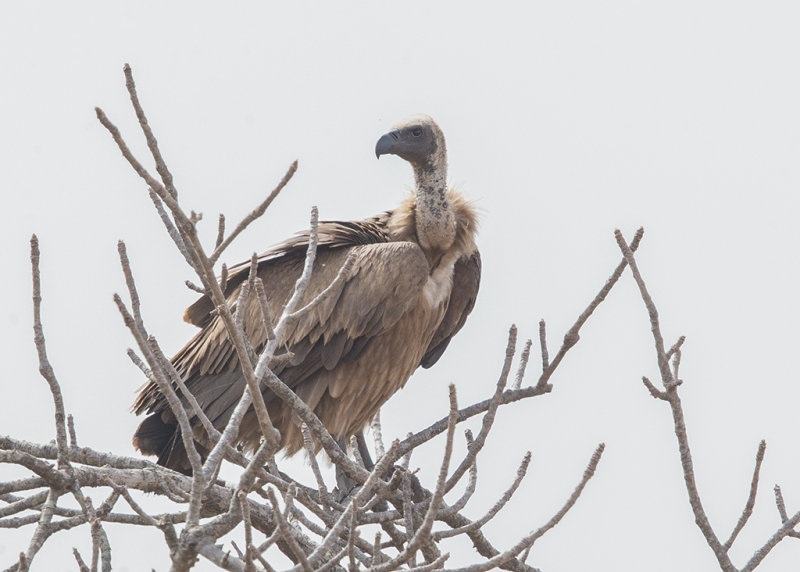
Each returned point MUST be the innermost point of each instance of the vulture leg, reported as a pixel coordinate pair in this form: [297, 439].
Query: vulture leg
[369, 464]
[347, 486]
[344, 484]
[364, 451]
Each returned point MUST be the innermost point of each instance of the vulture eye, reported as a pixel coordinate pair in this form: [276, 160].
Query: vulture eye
[416, 132]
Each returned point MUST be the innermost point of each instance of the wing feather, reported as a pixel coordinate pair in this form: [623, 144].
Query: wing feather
[385, 280]
[466, 281]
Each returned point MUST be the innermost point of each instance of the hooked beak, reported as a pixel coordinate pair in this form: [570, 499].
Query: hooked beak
[387, 143]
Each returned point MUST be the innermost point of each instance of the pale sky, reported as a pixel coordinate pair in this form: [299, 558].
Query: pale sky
[564, 121]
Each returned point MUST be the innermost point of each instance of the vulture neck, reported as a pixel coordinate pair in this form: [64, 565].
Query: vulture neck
[435, 219]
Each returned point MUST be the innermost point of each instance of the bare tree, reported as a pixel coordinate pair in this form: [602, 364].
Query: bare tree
[671, 382]
[391, 521]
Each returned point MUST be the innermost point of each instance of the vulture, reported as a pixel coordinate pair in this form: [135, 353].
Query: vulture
[413, 282]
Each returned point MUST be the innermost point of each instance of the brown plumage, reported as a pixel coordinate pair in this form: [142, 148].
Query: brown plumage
[413, 282]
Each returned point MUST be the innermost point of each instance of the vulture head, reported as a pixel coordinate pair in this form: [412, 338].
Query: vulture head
[418, 140]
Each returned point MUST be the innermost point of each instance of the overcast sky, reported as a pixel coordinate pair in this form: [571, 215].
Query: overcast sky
[564, 120]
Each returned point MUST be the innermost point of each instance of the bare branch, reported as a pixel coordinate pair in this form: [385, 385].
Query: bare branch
[780, 504]
[172, 399]
[488, 419]
[73, 436]
[423, 531]
[672, 397]
[531, 538]
[81, 564]
[172, 231]
[523, 364]
[573, 334]
[543, 344]
[256, 213]
[377, 435]
[152, 144]
[653, 390]
[248, 532]
[471, 483]
[194, 287]
[288, 535]
[341, 276]
[220, 231]
[312, 459]
[358, 500]
[751, 498]
[44, 365]
[261, 294]
[523, 468]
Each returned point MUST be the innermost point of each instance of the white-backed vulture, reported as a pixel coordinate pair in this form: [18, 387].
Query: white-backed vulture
[413, 282]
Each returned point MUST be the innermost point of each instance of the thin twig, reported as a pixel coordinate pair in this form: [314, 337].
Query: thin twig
[287, 534]
[673, 398]
[73, 436]
[324, 497]
[377, 435]
[152, 143]
[531, 538]
[220, 231]
[256, 213]
[521, 471]
[543, 344]
[488, 419]
[248, 531]
[44, 364]
[573, 334]
[523, 365]
[751, 497]
[81, 564]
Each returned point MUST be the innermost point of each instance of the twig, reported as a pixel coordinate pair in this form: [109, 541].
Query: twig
[751, 498]
[351, 533]
[523, 365]
[656, 393]
[256, 213]
[672, 397]
[471, 483]
[248, 532]
[358, 500]
[408, 513]
[312, 459]
[543, 344]
[73, 436]
[81, 564]
[423, 531]
[261, 295]
[44, 365]
[152, 143]
[169, 394]
[488, 419]
[287, 534]
[220, 231]
[779, 502]
[342, 276]
[573, 334]
[531, 538]
[172, 231]
[521, 471]
[377, 435]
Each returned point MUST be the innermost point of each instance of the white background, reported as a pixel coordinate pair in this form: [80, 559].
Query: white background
[564, 121]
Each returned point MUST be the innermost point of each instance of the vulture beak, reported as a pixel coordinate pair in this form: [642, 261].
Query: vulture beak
[387, 143]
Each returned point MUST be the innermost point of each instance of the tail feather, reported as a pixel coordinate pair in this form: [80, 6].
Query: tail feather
[158, 437]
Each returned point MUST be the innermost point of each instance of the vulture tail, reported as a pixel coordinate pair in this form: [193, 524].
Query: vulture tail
[156, 437]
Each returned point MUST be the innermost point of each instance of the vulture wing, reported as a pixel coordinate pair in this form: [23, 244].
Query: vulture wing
[466, 280]
[385, 280]
[332, 234]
